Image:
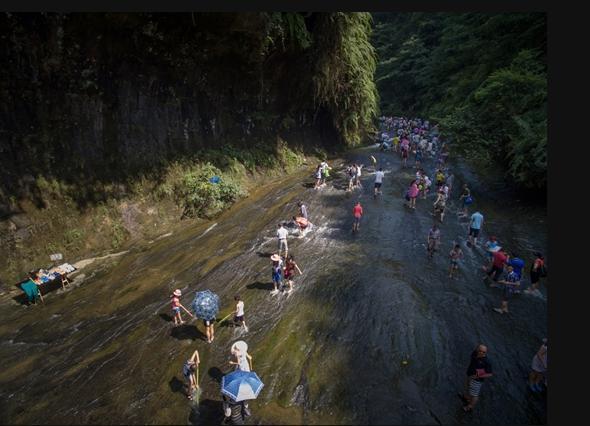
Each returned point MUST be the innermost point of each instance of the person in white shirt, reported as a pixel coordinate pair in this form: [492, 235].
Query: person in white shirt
[358, 175]
[378, 180]
[239, 313]
[243, 358]
[282, 237]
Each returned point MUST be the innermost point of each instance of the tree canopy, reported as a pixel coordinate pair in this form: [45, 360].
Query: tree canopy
[483, 77]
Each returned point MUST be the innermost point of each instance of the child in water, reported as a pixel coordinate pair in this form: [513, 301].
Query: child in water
[176, 305]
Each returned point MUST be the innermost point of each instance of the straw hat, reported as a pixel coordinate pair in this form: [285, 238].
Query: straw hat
[240, 346]
[275, 257]
[177, 293]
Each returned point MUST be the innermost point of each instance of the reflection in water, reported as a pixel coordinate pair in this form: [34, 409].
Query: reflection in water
[373, 332]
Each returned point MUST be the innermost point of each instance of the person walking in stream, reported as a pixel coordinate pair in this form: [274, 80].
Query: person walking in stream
[277, 263]
[209, 329]
[536, 273]
[511, 284]
[188, 371]
[239, 313]
[538, 369]
[242, 360]
[357, 212]
[318, 177]
[433, 240]
[302, 209]
[466, 199]
[289, 272]
[378, 181]
[455, 254]
[480, 368]
[282, 233]
[475, 227]
[176, 306]
[412, 193]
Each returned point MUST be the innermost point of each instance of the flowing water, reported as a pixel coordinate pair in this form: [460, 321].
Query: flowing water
[374, 331]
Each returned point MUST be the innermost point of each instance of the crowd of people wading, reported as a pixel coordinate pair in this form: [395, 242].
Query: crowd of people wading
[418, 144]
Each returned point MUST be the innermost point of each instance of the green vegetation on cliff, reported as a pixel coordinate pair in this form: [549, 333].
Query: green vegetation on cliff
[483, 77]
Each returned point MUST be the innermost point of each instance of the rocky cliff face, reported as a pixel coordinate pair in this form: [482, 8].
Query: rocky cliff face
[89, 96]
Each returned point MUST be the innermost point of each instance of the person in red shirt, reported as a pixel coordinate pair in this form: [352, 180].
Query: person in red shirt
[357, 211]
[499, 259]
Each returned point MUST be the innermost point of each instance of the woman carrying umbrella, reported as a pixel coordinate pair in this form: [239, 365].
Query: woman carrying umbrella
[206, 306]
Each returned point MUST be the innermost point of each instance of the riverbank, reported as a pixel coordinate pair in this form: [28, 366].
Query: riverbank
[113, 217]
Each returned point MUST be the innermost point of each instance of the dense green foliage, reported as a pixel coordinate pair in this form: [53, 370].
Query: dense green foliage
[482, 77]
[202, 197]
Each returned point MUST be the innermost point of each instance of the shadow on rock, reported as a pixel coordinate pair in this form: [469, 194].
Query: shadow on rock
[264, 254]
[176, 385]
[207, 412]
[216, 374]
[260, 286]
[166, 317]
[185, 331]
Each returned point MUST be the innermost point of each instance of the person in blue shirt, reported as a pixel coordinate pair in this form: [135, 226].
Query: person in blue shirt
[491, 246]
[511, 284]
[474, 227]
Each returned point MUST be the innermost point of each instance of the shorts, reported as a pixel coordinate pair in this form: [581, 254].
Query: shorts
[506, 293]
[455, 263]
[208, 323]
[239, 318]
[377, 184]
[474, 232]
[537, 366]
[283, 243]
[176, 310]
[357, 220]
[496, 271]
[404, 153]
[535, 277]
[276, 277]
[474, 387]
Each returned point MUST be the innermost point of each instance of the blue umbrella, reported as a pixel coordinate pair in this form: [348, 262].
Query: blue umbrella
[241, 385]
[205, 305]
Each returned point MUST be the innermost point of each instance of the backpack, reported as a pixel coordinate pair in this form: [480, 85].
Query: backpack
[469, 200]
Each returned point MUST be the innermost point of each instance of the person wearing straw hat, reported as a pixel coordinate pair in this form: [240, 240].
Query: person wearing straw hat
[243, 360]
[277, 263]
[188, 371]
[176, 306]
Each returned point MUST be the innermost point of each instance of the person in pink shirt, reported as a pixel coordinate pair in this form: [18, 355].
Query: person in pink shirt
[413, 192]
[405, 150]
[357, 212]
[176, 306]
